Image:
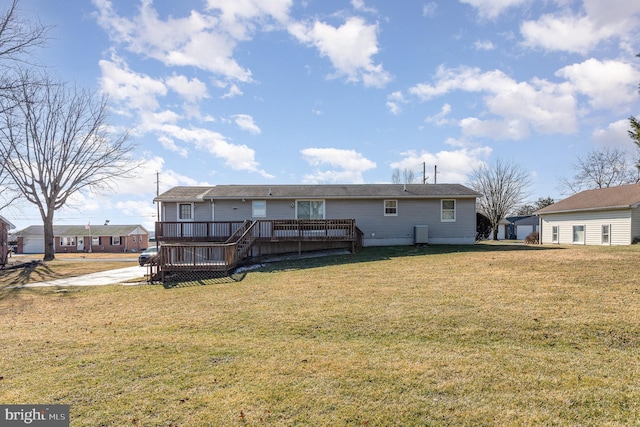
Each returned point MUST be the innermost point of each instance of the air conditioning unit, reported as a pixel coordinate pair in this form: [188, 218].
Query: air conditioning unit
[421, 234]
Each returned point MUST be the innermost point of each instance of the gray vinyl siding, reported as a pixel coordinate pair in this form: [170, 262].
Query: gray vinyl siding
[378, 229]
[201, 211]
[619, 220]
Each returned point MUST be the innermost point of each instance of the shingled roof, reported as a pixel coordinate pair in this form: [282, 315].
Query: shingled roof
[624, 196]
[80, 230]
[347, 191]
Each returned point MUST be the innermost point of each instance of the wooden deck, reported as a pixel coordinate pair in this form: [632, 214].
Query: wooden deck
[219, 246]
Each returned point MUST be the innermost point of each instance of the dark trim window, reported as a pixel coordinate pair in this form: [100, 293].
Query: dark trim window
[448, 210]
[390, 208]
[310, 209]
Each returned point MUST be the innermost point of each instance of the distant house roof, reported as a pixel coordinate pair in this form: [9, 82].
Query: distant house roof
[80, 230]
[523, 220]
[349, 191]
[624, 196]
[9, 225]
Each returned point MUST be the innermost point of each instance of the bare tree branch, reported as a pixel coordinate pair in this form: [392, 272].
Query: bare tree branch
[604, 168]
[503, 188]
[56, 142]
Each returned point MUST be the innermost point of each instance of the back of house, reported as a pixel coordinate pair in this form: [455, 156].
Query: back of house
[386, 214]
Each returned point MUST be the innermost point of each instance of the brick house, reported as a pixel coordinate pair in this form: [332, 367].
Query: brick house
[5, 226]
[85, 238]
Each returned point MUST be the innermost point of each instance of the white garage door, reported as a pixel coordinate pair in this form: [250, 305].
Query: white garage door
[523, 231]
[33, 245]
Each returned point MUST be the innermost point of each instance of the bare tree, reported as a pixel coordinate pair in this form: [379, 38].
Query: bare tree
[608, 167]
[530, 208]
[406, 176]
[17, 39]
[503, 187]
[56, 142]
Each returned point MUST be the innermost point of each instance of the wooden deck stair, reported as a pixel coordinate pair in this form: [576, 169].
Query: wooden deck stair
[218, 247]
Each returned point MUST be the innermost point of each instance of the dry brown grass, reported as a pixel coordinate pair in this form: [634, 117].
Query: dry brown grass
[484, 335]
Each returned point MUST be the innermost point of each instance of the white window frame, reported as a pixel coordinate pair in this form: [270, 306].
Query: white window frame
[390, 210]
[115, 241]
[443, 210]
[573, 234]
[607, 234]
[555, 233]
[67, 241]
[259, 211]
[95, 241]
[178, 213]
[324, 206]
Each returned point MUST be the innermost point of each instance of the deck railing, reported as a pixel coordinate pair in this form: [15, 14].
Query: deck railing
[196, 231]
[219, 246]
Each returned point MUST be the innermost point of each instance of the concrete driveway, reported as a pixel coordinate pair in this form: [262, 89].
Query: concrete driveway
[109, 277]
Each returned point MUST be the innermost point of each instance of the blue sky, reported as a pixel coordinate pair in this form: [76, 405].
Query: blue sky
[328, 91]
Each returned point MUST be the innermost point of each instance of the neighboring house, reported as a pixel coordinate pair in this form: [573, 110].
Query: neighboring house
[387, 214]
[85, 238]
[5, 226]
[517, 227]
[606, 216]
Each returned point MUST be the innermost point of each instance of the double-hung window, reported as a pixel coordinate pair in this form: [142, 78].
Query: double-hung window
[185, 212]
[115, 240]
[259, 208]
[390, 208]
[554, 234]
[310, 209]
[67, 241]
[448, 210]
[606, 234]
[578, 234]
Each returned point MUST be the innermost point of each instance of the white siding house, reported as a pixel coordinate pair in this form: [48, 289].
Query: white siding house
[605, 216]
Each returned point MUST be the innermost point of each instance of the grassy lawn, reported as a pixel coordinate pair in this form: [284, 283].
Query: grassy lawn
[441, 336]
[65, 265]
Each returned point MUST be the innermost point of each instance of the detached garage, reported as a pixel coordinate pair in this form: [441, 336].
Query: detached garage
[605, 216]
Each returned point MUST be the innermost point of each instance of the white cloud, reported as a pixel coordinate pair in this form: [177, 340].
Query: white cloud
[361, 7]
[236, 157]
[395, 101]
[452, 166]
[139, 91]
[493, 8]
[580, 31]
[346, 166]
[616, 134]
[440, 118]
[483, 45]
[245, 122]
[565, 33]
[519, 106]
[350, 48]
[429, 9]
[191, 90]
[607, 84]
[197, 40]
